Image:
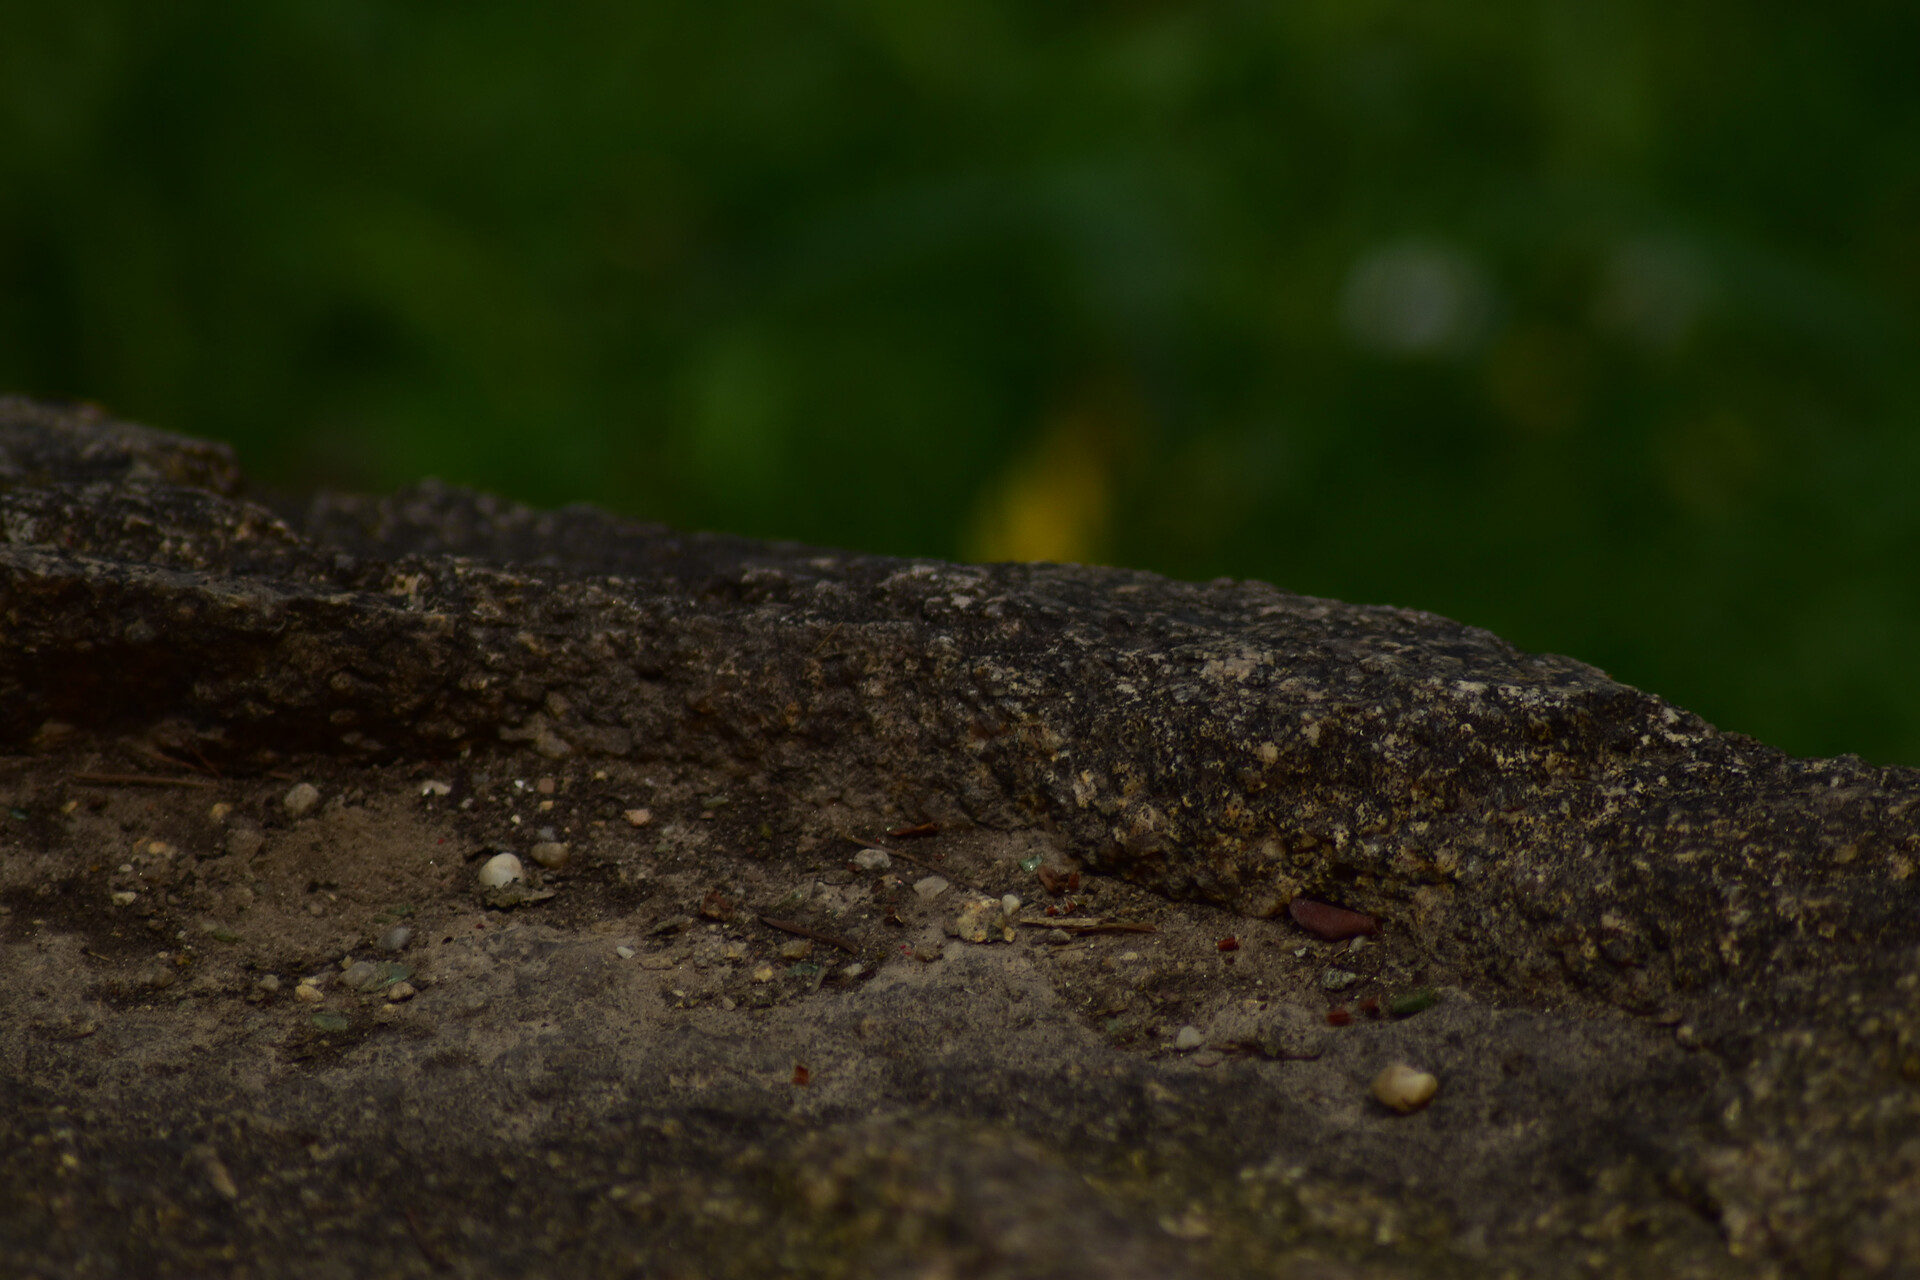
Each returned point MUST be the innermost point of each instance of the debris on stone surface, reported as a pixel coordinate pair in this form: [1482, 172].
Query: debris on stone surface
[638, 817]
[300, 799]
[400, 991]
[873, 860]
[361, 976]
[396, 938]
[1404, 1089]
[500, 870]
[1331, 923]
[1189, 1037]
[930, 887]
[1403, 1006]
[553, 855]
[1338, 979]
[986, 920]
[431, 788]
[1663, 970]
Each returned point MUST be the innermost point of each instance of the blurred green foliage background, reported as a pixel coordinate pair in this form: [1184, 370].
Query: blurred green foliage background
[1589, 321]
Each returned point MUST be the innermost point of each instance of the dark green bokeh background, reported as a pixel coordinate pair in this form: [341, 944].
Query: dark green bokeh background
[1591, 323]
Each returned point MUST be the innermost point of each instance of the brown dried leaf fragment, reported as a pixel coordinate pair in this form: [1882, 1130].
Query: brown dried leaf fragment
[1331, 923]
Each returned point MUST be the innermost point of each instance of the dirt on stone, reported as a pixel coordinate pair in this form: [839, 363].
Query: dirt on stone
[910, 942]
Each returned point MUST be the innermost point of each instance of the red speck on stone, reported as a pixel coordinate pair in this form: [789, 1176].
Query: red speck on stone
[1329, 922]
[1371, 1006]
[801, 1075]
[1338, 1016]
[1228, 944]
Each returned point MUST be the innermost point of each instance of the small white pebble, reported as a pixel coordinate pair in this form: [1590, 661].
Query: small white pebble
[639, 817]
[625, 953]
[122, 897]
[873, 860]
[930, 887]
[432, 788]
[1010, 903]
[219, 812]
[853, 970]
[501, 869]
[268, 983]
[1189, 1038]
[301, 799]
[1404, 1089]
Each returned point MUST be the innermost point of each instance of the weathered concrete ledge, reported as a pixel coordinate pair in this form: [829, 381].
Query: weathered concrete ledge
[1677, 968]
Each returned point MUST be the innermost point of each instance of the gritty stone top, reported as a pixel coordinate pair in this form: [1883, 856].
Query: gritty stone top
[1674, 960]
[1523, 815]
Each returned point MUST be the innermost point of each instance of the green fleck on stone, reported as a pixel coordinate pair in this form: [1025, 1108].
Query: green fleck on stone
[330, 1021]
[1031, 864]
[225, 935]
[1412, 1002]
[21, 814]
[391, 973]
[715, 802]
[805, 969]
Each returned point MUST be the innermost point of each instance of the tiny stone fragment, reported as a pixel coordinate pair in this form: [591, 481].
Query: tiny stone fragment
[1338, 979]
[396, 938]
[400, 991]
[625, 953]
[798, 949]
[307, 993]
[551, 854]
[873, 860]
[122, 897]
[639, 817]
[1189, 1037]
[1404, 1089]
[930, 887]
[500, 870]
[361, 976]
[301, 799]
[983, 920]
[432, 788]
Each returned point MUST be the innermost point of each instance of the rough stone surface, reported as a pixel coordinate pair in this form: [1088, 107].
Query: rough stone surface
[1677, 1029]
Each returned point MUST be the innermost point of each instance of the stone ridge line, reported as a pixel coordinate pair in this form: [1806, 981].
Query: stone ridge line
[1524, 817]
